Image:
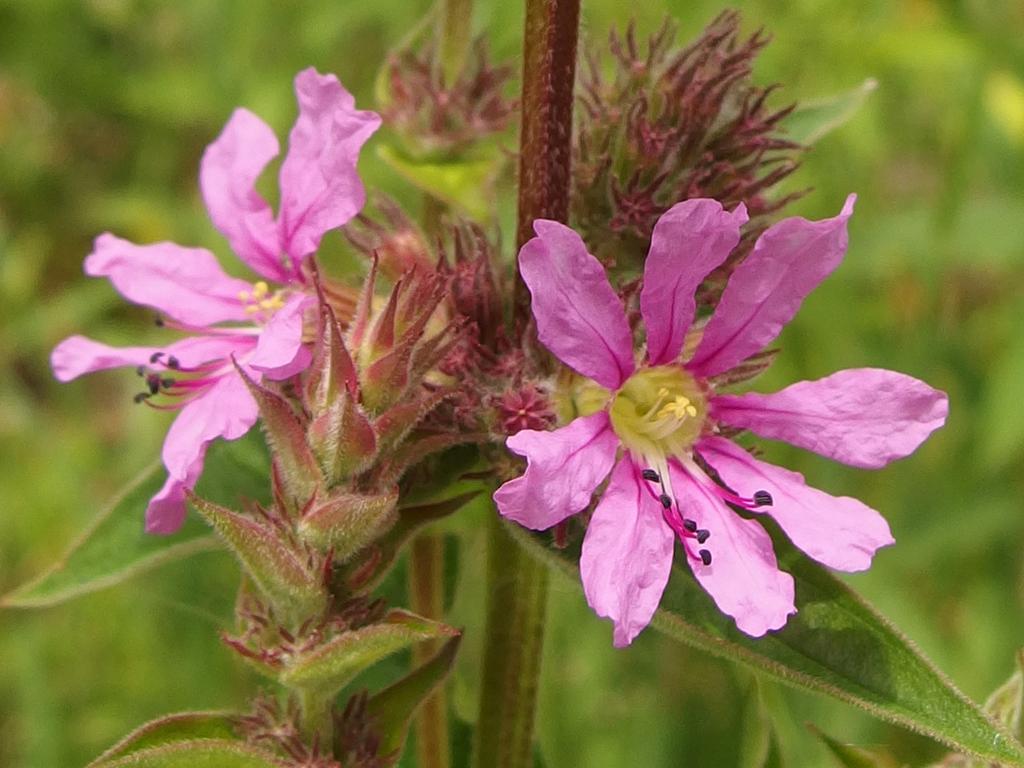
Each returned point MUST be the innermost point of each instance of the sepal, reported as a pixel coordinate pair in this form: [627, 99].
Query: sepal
[281, 572]
[345, 522]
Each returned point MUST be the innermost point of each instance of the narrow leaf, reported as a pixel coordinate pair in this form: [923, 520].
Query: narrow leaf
[346, 522]
[813, 120]
[197, 753]
[328, 667]
[394, 707]
[836, 644]
[114, 547]
[171, 728]
[850, 756]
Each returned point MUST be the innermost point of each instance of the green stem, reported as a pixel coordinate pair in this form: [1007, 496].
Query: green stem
[317, 718]
[426, 593]
[456, 29]
[517, 588]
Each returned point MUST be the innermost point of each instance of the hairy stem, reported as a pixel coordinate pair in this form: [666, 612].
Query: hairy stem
[317, 719]
[517, 589]
[426, 593]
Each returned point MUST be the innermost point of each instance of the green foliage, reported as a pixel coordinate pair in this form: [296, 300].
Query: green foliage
[197, 753]
[168, 730]
[812, 120]
[836, 644]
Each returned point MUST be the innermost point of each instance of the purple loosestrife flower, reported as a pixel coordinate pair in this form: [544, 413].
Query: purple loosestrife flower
[657, 425]
[257, 325]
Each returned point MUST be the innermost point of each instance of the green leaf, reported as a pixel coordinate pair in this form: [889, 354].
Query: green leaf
[197, 753]
[327, 668]
[837, 645]
[169, 729]
[813, 120]
[115, 547]
[461, 183]
[850, 756]
[394, 707]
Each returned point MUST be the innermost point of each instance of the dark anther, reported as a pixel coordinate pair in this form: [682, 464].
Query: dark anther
[650, 474]
[690, 525]
[140, 371]
[702, 535]
[705, 557]
[140, 397]
[763, 499]
[159, 321]
[166, 383]
[172, 362]
[155, 357]
[153, 382]
[666, 500]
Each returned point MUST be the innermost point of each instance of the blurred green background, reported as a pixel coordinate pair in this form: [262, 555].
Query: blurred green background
[105, 107]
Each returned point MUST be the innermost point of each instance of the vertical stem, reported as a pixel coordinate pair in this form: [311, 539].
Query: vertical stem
[456, 33]
[545, 142]
[517, 585]
[317, 719]
[517, 603]
[426, 593]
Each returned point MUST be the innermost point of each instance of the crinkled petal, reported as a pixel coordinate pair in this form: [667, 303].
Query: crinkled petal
[689, 240]
[78, 355]
[280, 352]
[225, 410]
[743, 578]
[865, 417]
[184, 283]
[837, 531]
[627, 554]
[579, 317]
[320, 189]
[227, 176]
[564, 467]
[166, 511]
[764, 293]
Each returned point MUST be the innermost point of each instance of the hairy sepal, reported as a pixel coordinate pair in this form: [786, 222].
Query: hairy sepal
[345, 522]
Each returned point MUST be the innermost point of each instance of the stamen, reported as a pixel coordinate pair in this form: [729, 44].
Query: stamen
[172, 362]
[153, 382]
[763, 499]
[140, 397]
[140, 370]
[666, 501]
[690, 525]
[651, 476]
[155, 357]
[702, 535]
[705, 556]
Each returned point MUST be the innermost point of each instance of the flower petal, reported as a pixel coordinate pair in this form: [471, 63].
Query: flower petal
[166, 511]
[579, 317]
[280, 352]
[563, 469]
[788, 262]
[227, 177]
[743, 578]
[77, 355]
[865, 417]
[184, 283]
[320, 189]
[689, 240]
[627, 554]
[225, 410]
[837, 531]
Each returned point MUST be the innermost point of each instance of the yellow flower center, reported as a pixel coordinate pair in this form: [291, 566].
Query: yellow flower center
[261, 300]
[659, 412]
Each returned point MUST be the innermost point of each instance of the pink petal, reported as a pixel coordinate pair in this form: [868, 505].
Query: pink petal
[767, 289]
[627, 554]
[320, 189]
[563, 469]
[579, 317]
[225, 410]
[227, 177]
[186, 284]
[280, 352]
[839, 532]
[166, 511]
[78, 355]
[689, 240]
[865, 417]
[743, 579]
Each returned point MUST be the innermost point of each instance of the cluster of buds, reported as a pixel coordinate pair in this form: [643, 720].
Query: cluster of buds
[442, 119]
[673, 125]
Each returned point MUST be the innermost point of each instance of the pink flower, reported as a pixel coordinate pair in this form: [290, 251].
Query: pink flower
[258, 325]
[677, 474]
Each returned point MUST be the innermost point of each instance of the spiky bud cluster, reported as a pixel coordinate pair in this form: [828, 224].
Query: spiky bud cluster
[670, 125]
[439, 119]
